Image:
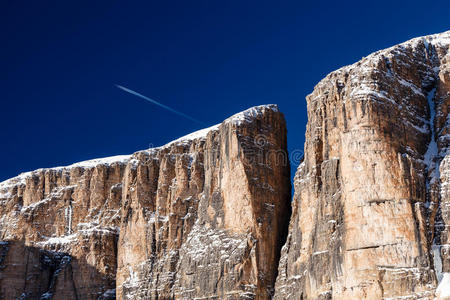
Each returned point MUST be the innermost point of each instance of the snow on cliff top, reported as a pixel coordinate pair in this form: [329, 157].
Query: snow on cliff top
[239, 118]
[250, 114]
[20, 179]
[199, 134]
[438, 39]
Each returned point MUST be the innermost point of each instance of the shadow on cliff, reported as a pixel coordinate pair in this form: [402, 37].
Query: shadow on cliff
[34, 273]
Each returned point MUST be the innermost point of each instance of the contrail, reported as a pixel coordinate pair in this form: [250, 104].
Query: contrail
[159, 104]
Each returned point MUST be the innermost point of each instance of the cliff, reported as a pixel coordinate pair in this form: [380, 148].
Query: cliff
[203, 216]
[371, 203]
[206, 216]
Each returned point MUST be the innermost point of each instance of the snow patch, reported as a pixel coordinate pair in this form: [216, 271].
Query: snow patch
[432, 151]
[20, 180]
[203, 242]
[437, 261]
[63, 240]
[199, 134]
[245, 116]
[109, 293]
[442, 39]
[121, 159]
[443, 289]
[250, 114]
[68, 217]
[365, 90]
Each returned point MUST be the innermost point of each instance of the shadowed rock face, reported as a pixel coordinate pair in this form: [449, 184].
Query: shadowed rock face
[372, 194]
[204, 216]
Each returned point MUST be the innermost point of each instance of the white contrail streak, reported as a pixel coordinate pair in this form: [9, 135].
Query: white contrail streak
[159, 104]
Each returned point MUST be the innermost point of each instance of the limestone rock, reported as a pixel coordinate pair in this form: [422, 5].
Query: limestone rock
[204, 216]
[63, 221]
[207, 217]
[371, 203]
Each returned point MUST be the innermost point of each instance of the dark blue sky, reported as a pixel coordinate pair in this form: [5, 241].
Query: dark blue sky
[209, 59]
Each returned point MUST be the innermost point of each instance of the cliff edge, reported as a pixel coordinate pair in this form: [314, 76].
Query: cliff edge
[371, 203]
[203, 216]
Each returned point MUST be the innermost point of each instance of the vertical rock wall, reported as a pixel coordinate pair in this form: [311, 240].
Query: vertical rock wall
[184, 220]
[370, 202]
[207, 217]
[64, 222]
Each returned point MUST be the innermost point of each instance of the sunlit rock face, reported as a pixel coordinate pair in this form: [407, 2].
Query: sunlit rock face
[206, 216]
[371, 203]
[202, 217]
[59, 229]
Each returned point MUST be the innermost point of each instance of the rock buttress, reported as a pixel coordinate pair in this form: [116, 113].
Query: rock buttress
[206, 218]
[59, 231]
[371, 196]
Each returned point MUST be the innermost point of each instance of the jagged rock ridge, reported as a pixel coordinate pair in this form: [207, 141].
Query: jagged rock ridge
[371, 203]
[203, 216]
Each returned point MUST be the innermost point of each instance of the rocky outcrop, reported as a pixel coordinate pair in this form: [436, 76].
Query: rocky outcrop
[205, 217]
[202, 217]
[59, 229]
[371, 203]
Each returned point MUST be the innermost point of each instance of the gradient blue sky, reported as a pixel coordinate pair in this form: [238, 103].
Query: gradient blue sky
[60, 61]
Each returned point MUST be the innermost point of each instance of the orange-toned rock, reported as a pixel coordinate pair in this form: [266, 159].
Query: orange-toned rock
[370, 203]
[204, 216]
[59, 230]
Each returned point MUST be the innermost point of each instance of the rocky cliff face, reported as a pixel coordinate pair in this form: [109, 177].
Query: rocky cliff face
[205, 217]
[202, 217]
[371, 203]
[59, 231]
